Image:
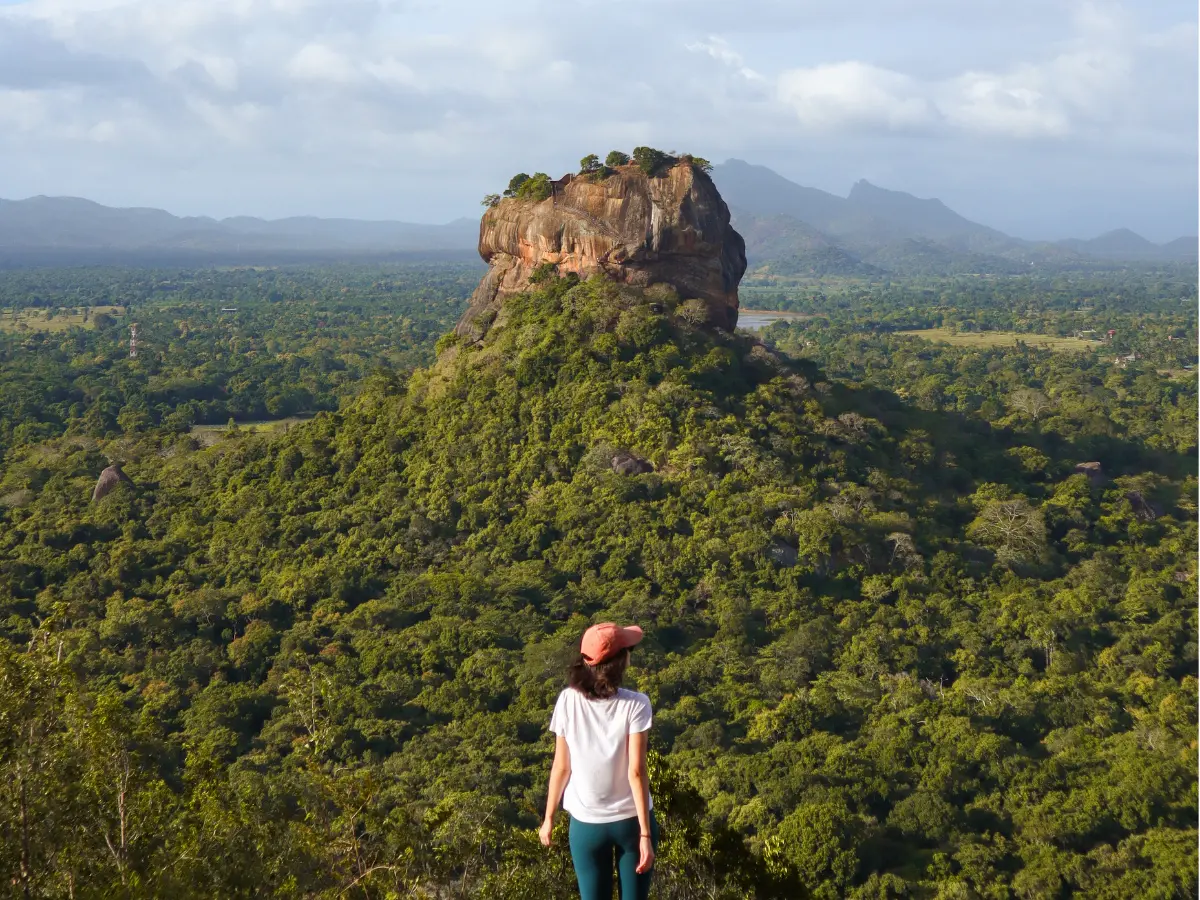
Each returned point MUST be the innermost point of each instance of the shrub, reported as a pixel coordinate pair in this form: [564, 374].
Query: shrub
[694, 311]
[593, 170]
[651, 161]
[639, 328]
[698, 161]
[663, 296]
[515, 184]
[536, 188]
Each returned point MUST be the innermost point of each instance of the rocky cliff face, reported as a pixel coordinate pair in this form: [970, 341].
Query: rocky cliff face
[639, 230]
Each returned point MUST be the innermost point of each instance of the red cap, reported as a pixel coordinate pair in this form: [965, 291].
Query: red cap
[606, 639]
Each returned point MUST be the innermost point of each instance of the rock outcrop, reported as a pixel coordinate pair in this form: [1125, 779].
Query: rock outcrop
[108, 481]
[626, 463]
[640, 230]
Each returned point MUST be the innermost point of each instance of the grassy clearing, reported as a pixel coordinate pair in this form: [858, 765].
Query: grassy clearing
[1178, 374]
[210, 434]
[36, 319]
[1005, 339]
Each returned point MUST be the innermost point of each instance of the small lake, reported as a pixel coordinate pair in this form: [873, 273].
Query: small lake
[756, 319]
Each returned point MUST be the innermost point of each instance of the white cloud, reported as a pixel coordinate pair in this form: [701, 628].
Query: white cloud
[442, 101]
[222, 70]
[1012, 106]
[853, 94]
[22, 110]
[718, 48]
[234, 124]
[393, 72]
[318, 63]
[1094, 78]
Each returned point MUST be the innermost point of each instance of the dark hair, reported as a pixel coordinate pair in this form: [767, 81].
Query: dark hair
[598, 682]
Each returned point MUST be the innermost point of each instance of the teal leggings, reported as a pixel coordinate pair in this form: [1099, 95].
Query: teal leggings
[592, 850]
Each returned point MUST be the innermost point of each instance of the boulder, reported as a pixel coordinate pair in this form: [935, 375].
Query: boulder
[108, 481]
[626, 463]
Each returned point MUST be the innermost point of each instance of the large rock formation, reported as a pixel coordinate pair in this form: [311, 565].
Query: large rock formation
[639, 230]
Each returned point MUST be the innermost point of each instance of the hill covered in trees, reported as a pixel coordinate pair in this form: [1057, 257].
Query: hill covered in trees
[896, 647]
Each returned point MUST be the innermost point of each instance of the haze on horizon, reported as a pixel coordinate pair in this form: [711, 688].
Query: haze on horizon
[1044, 118]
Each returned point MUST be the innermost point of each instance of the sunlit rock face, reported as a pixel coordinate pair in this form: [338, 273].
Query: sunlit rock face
[671, 228]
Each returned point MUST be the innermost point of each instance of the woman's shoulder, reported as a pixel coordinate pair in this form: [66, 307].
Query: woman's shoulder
[633, 697]
[566, 695]
[636, 709]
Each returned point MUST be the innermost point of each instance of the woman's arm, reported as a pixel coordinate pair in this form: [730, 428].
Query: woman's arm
[639, 783]
[560, 772]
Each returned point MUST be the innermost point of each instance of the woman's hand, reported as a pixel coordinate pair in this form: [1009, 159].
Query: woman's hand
[645, 855]
[560, 774]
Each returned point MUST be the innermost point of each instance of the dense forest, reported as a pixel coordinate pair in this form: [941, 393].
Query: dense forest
[1151, 310]
[921, 618]
[215, 346]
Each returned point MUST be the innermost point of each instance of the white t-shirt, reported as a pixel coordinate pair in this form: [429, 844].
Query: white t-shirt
[597, 733]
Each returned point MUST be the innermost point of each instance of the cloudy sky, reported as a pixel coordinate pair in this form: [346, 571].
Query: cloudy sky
[1045, 118]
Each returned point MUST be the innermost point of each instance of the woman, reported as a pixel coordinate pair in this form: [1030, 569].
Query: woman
[599, 770]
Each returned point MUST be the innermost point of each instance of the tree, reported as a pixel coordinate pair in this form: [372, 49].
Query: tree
[616, 158]
[515, 183]
[490, 200]
[1012, 527]
[536, 188]
[134, 418]
[1030, 459]
[694, 311]
[820, 840]
[589, 164]
[1029, 401]
[651, 161]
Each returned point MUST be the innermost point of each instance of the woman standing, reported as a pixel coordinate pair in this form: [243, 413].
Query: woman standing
[599, 770]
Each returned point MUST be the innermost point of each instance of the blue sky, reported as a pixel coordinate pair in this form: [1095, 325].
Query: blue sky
[1045, 118]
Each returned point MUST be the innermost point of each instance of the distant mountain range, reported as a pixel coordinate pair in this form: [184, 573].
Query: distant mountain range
[789, 229]
[70, 223]
[1125, 244]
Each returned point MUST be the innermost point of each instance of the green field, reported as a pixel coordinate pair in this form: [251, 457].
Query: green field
[210, 434]
[1004, 339]
[57, 319]
[1178, 374]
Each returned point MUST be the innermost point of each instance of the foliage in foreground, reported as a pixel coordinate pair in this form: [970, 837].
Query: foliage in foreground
[893, 651]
